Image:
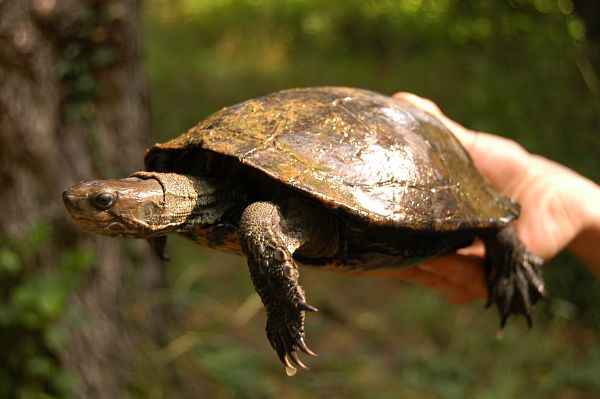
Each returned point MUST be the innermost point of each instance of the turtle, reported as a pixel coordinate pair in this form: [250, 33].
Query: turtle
[328, 177]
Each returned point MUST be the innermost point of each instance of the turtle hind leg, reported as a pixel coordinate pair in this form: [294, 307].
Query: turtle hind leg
[514, 276]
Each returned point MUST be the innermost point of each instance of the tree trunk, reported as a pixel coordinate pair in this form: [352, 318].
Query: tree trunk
[73, 106]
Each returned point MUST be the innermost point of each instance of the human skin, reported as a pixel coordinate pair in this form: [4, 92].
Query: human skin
[560, 209]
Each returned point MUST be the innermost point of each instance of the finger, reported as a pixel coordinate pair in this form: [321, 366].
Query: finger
[458, 268]
[420, 102]
[472, 140]
[459, 278]
[406, 274]
[457, 294]
[411, 274]
[502, 161]
[477, 250]
[466, 272]
[467, 137]
[454, 292]
[447, 273]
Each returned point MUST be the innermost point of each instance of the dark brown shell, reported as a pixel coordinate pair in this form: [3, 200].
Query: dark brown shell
[359, 151]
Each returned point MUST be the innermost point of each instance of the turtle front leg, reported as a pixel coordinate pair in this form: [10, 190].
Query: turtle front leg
[269, 235]
[514, 275]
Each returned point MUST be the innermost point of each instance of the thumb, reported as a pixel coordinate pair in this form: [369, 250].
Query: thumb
[466, 136]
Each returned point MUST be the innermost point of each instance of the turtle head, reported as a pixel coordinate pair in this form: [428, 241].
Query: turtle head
[131, 207]
[149, 204]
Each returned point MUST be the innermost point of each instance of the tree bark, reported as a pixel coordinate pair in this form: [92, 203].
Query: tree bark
[73, 106]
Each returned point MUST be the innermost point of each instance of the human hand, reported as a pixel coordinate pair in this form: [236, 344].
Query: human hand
[559, 208]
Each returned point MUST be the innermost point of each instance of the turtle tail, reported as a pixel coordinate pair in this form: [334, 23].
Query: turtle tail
[514, 276]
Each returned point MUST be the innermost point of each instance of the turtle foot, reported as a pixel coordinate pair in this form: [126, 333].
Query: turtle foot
[285, 331]
[514, 276]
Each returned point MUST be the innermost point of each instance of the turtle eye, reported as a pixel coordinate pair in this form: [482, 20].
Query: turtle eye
[103, 201]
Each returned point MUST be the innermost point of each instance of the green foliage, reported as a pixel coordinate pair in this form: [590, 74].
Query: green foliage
[33, 312]
[516, 68]
[511, 67]
[86, 50]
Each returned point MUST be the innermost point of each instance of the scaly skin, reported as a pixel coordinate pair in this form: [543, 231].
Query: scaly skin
[514, 276]
[269, 236]
[151, 205]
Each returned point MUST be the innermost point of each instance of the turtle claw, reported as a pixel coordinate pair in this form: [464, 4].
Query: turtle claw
[306, 307]
[286, 362]
[285, 330]
[293, 355]
[302, 346]
[291, 360]
[514, 295]
[515, 281]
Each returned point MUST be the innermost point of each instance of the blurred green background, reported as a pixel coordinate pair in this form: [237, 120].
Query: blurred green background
[515, 68]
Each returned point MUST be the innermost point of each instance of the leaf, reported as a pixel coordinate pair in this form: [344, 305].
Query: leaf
[78, 260]
[36, 238]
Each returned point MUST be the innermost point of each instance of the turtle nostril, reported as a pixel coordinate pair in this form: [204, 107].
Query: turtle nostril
[69, 199]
